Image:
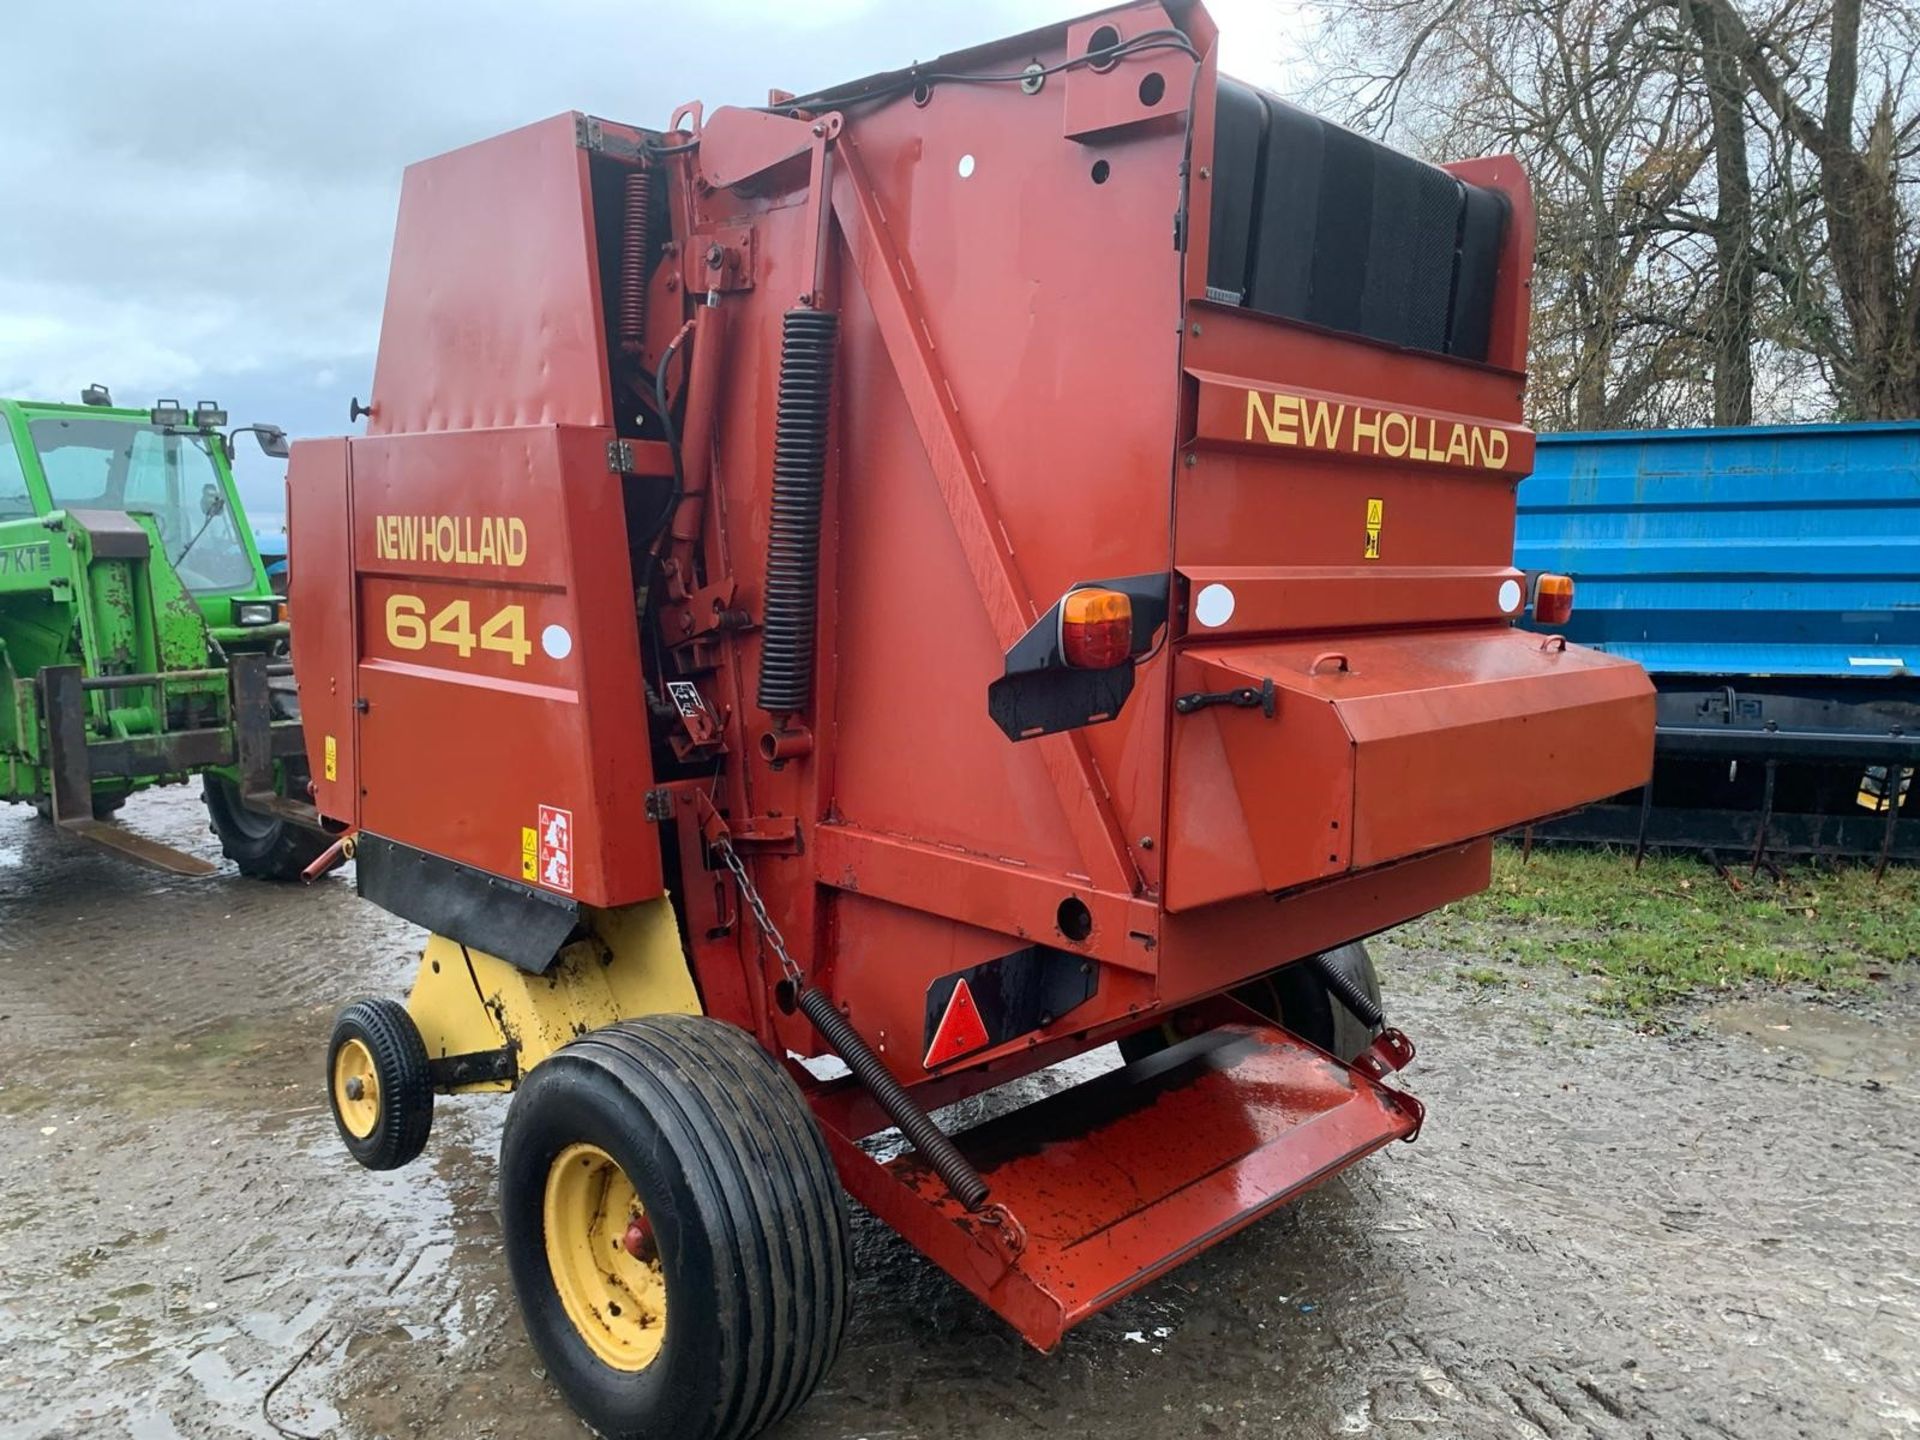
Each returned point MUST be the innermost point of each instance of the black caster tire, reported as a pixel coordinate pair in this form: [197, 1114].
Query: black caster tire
[378, 1084]
[261, 846]
[1299, 999]
[675, 1230]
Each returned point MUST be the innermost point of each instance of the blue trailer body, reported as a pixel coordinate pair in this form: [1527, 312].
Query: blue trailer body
[1768, 578]
[1789, 550]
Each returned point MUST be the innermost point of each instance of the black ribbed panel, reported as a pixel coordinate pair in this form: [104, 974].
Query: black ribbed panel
[1319, 224]
[793, 541]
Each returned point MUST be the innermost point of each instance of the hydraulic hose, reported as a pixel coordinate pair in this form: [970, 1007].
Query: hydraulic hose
[793, 543]
[925, 1136]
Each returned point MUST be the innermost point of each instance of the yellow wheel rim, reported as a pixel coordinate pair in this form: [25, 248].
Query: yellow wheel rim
[616, 1300]
[356, 1089]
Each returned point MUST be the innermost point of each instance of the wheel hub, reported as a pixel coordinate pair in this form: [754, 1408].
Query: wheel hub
[605, 1263]
[356, 1088]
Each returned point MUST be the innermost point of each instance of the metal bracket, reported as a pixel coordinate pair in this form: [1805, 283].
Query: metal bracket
[586, 133]
[659, 805]
[1391, 1051]
[620, 456]
[1247, 697]
[445, 1072]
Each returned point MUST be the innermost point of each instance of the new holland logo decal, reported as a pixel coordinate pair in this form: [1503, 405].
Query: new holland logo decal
[1344, 426]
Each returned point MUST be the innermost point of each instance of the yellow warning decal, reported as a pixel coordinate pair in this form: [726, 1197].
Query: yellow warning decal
[529, 853]
[1376, 513]
[332, 765]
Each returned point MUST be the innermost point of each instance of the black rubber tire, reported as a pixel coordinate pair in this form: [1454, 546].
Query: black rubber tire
[406, 1086]
[1297, 998]
[750, 1221]
[262, 846]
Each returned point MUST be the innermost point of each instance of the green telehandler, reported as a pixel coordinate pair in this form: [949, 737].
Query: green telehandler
[140, 643]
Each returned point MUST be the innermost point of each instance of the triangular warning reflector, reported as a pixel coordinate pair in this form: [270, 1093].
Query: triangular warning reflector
[960, 1031]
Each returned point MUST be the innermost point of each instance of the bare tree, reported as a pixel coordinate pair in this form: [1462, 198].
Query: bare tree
[1730, 317]
[1862, 149]
[1614, 140]
[1725, 190]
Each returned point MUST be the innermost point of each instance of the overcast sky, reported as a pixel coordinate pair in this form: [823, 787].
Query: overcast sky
[200, 198]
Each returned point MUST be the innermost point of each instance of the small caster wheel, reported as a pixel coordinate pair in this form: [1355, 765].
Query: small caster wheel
[378, 1084]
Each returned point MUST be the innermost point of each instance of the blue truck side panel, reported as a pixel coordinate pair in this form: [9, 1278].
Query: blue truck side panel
[1787, 550]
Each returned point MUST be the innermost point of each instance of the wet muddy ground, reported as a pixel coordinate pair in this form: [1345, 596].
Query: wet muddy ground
[1714, 1232]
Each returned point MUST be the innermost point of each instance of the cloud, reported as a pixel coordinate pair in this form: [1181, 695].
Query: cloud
[201, 200]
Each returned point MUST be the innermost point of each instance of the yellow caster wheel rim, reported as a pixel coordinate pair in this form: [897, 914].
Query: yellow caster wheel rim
[605, 1265]
[356, 1089]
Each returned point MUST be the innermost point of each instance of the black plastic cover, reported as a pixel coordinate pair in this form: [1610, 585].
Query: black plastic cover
[1313, 222]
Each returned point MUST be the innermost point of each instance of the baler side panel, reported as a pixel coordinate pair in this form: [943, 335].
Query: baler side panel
[493, 313]
[321, 592]
[1010, 291]
[974, 268]
[500, 659]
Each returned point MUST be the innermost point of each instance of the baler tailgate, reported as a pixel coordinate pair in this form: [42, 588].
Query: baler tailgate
[1117, 1180]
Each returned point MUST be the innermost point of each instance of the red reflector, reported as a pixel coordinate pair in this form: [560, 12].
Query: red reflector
[1096, 629]
[960, 1031]
[1553, 600]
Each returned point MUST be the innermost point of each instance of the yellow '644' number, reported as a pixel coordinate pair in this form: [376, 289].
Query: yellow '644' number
[408, 628]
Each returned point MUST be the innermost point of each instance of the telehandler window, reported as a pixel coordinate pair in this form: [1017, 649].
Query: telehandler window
[14, 500]
[117, 465]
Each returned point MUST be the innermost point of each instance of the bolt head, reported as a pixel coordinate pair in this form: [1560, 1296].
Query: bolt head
[356, 1088]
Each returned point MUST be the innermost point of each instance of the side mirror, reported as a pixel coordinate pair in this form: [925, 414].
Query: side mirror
[273, 440]
[212, 502]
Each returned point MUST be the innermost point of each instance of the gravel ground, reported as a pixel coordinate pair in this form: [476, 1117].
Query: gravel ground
[1713, 1232]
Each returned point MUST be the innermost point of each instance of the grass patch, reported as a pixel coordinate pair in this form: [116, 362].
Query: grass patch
[1676, 928]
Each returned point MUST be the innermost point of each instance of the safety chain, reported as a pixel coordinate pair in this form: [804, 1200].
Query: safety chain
[768, 931]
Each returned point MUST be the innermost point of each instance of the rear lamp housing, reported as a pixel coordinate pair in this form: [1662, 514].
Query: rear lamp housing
[262, 612]
[1096, 628]
[1553, 599]
[167, 414]
[209, 416]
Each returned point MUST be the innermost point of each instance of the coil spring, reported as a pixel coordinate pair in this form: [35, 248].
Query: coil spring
[1348, 991]
[638, 219]
[935, 1148]
[793, 540]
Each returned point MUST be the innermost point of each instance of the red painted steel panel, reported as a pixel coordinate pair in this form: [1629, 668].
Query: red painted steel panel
[465, 736]
[1123, 1177]
[1213, 947]
[320, 524]
[493, 301]
[1382, 746]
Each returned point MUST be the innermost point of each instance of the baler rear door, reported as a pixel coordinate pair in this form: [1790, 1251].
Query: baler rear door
[1380, 747]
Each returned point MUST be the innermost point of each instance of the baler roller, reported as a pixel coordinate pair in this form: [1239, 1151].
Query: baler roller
[793, 541]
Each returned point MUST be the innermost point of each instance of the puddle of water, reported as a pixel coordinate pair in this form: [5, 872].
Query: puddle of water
[1831, 1043]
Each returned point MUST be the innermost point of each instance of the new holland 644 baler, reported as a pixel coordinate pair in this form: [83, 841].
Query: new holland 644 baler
[945, 573]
